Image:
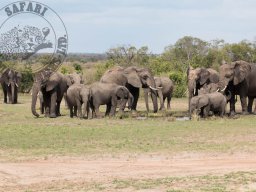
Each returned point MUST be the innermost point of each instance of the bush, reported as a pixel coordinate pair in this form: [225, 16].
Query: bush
[101, 68]
[179, 80]
[26, 81]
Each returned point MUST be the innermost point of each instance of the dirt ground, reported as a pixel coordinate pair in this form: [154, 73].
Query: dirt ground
[17, 176]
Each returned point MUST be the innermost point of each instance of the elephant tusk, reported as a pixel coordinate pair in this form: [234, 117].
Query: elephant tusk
[153, 88]
[218, 90]
[16, 85]
[159, 87]
[194, 91]
[9, 84]
[224, 88]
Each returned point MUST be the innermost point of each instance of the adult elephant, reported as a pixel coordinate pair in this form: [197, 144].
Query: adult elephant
[199, 77]
[239, 78]
[133, 78]
[52, 85]
[10, 81]
[165, 88]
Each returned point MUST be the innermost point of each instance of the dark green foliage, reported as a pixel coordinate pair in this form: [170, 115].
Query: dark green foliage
[180, 84]
[77, 67]
[26, 80]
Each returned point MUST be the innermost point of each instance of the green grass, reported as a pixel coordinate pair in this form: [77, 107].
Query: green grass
[21, 134]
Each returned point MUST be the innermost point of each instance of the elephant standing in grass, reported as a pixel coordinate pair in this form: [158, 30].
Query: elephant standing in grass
[78, 95]
[133, 78]
[239, 78]
[108, 94]
[52, 85]
[10, 81]
[165, 88]
[204, 103]
[199, 77]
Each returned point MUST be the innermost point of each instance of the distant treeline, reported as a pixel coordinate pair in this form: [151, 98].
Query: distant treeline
[173, 62]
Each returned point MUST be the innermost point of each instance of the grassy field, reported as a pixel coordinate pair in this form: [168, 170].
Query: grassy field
[24, 137]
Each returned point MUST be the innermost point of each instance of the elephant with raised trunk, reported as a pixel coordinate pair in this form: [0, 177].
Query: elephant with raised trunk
[165, 88]
[109, 94]
[239, 78]
[199, 77]
[133, 78]
[10, 81]
[52, 85]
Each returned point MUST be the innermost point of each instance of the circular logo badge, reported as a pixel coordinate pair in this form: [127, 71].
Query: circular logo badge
[31, 33]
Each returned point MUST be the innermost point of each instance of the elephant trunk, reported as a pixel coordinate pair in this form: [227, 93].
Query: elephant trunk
[154, 100]
[12, 84]
[35, 91]
[146, 91]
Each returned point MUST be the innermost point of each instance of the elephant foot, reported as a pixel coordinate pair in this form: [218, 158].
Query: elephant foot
[245, 113]
[254, 113]
[232, 113]
[53, 115]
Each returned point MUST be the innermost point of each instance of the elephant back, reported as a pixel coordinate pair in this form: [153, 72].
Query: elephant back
[114, 75]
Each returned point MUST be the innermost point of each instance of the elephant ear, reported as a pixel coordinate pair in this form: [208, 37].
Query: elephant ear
[53, 81]
[241, 71]
[214, 76]
[19, 76]
[132, 77]
[204, 76]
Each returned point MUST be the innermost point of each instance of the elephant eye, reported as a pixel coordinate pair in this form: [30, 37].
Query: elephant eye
[145, 76]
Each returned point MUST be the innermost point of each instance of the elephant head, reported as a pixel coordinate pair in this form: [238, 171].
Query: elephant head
[199, 77]
[142, 78]
[11, 79]
[235, 72]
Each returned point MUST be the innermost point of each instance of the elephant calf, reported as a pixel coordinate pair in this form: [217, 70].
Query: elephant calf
[108, 94]
[205, 103]
[78, 94]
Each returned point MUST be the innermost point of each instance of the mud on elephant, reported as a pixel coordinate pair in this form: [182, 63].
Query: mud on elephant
[133, 78]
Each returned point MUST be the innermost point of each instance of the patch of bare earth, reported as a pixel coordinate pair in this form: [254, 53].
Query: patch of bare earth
[49, 173]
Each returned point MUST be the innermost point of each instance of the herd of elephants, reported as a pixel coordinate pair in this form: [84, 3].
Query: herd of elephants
[209, 91]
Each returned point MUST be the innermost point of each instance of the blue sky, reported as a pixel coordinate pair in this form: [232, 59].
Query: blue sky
[94, 26]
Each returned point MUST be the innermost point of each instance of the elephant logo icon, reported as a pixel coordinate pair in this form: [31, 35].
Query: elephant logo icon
[24, 42]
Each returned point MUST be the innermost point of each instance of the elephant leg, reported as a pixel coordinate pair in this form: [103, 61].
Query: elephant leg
[16, 95]
[75, 111]
[5, 95]
[71, 112]
[46, 98]
[135, 92]
[169, 102]
[108, 107]
[58, 108]
[53, 104]
[232, 105]
[79, 109]
[97, 111]
[161, 98]
[250, 103]
[244, 105]
[9, 96]
[254, 112]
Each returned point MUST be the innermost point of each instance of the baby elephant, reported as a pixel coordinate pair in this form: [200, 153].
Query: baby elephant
[78, 94]
[109, 94]
[215, 102]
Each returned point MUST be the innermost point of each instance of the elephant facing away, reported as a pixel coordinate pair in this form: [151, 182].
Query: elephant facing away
[10, 81]
[165, 88]
[78, 95]
[108, 94]
[52, 85]
[133, 78]
[199, 77]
